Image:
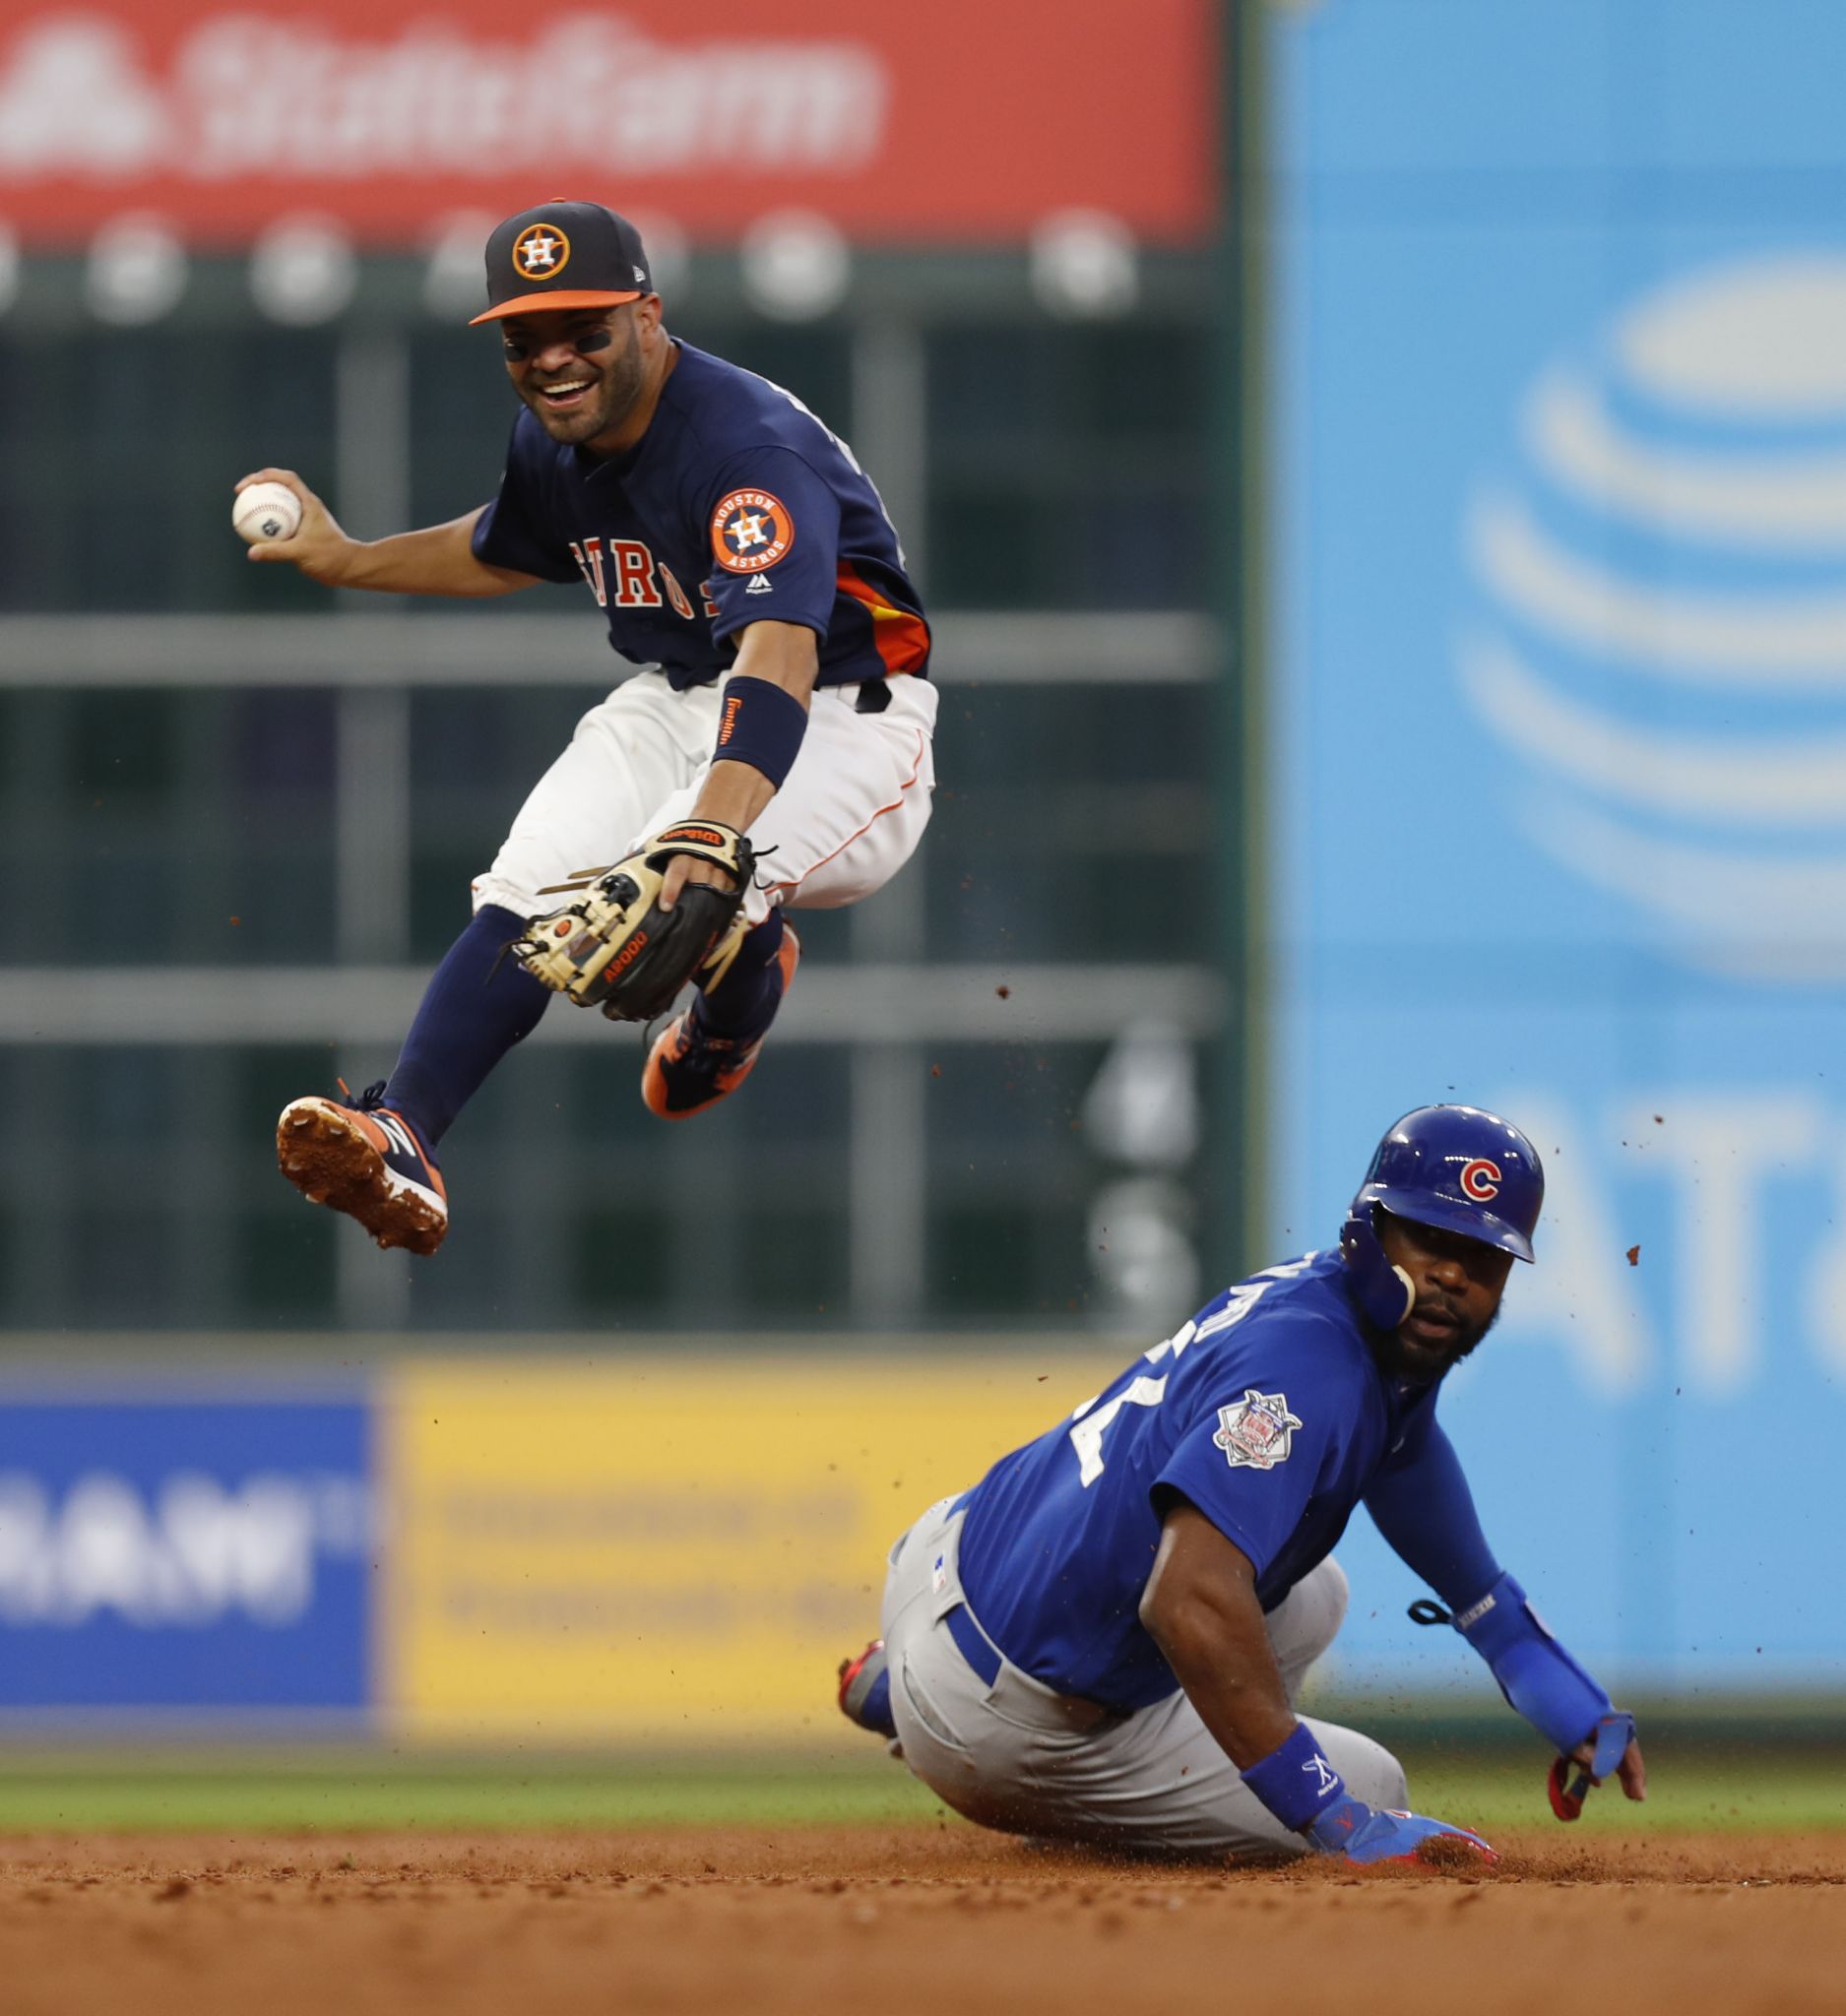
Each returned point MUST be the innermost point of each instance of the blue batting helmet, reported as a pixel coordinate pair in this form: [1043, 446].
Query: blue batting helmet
[1461, 1169]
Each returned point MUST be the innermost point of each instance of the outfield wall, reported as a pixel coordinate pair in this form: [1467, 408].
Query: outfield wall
[668, 1549]
[662, 1549]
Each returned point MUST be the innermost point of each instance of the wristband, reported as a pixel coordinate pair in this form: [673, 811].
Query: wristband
[1295, 1780]
[761, 725]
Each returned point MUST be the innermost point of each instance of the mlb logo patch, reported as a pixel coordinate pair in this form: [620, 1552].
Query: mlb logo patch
[1256, 1433]
[939, 1576]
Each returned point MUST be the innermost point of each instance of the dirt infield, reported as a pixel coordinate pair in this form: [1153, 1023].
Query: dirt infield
[904, 1922]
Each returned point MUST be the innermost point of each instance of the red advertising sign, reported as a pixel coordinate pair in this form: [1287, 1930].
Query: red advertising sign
[961, 120]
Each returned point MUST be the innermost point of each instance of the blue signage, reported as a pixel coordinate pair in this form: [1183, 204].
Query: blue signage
[1559, 767]
[198, 1553]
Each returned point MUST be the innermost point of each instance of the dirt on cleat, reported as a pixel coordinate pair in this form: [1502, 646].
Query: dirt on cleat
[327, 1157]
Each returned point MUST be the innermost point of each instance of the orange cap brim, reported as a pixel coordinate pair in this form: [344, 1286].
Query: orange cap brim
[560, 297]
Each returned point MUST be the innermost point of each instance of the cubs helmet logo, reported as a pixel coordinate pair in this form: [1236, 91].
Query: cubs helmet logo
[752, 531]
[1481, 1179]
[540, 252]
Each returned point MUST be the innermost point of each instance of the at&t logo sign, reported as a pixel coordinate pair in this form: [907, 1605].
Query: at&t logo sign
[1661, 635]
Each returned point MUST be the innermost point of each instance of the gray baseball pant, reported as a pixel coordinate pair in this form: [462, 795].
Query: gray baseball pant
[1017, 1756]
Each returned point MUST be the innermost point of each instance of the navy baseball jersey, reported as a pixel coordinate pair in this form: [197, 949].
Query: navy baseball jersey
[1266, 1412]
[737, 505]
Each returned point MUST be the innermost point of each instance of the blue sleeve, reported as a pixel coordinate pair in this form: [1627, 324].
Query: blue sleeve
[1423, 1506]
[1252, 1460]
[772, 528]
[1538, 1675]
[516, 530]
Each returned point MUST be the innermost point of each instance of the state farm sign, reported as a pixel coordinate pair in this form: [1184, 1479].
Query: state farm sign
[248, 93]
[968, 121]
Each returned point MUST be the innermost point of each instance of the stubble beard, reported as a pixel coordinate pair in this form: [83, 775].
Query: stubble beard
[1404, 1359]
[621, 374]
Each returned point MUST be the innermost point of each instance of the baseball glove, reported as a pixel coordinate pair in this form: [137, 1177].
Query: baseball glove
[616, 948]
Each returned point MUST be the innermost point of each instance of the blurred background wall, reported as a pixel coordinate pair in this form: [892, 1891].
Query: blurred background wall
[1376, 469]
[986, 255]
[240, 239]
[1557, 783]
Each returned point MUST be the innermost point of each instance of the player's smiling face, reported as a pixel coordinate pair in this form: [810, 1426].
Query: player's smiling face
[580, 370]
[1458, 1285]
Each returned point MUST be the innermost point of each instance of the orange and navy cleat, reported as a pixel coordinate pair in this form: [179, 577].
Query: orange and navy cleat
[866, 1691]
[689, 1069]
[359, 1157]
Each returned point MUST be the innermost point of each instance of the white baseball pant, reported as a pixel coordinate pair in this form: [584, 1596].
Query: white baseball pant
[847, 816]
[1019, 1757]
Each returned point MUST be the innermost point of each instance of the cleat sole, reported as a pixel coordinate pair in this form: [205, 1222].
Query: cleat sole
[330, 1160]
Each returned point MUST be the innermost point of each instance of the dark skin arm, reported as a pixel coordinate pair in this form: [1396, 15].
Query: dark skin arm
[1200, 1608]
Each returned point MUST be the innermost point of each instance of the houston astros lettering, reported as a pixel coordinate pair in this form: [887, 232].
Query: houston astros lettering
[744, 564]
[1103, 1640]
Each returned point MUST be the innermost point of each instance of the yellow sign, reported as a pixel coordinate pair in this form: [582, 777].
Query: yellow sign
[627, 1553]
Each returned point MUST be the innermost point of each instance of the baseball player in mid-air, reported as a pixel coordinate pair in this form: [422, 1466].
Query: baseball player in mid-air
[774, 750]
[1104, 1638]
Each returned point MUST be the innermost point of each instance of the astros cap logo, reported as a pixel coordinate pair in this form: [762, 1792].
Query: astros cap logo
[540, 252]
[1481, 1179]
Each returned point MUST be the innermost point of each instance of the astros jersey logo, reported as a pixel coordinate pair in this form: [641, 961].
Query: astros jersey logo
[1481, 1179]
[540, 252]
[752, 531]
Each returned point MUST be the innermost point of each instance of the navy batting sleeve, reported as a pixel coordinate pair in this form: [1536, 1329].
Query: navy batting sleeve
[772, 532]
[1425, 1510]
[515, 529]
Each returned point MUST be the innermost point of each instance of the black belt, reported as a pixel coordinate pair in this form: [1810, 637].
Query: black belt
[874, 696]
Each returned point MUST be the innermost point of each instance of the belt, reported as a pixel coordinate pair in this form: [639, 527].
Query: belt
[874, 696]
[971, 1641]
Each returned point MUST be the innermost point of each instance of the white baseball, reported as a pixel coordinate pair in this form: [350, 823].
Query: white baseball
[266, 510]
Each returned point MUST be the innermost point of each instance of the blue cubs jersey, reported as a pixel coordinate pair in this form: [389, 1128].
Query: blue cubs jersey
[1266, 1411]
[737, 505]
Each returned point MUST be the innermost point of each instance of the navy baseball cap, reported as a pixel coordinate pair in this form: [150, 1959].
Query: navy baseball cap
[563, 254]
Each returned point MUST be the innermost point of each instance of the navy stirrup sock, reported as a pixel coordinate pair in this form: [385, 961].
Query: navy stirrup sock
[744, 1002]
[477, 1007]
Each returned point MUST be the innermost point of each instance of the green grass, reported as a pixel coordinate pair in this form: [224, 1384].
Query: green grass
[345, 1792]
[348, 1792]
[1688, 1791]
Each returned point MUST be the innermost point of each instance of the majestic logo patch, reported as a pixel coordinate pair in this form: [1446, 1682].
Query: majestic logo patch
[752, 531]
[1257, 1431]
[1481, 1179]
[540, 252]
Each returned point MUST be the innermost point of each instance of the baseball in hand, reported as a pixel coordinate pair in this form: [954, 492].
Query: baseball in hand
[266, 510]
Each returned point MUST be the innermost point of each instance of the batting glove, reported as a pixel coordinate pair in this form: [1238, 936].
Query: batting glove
[1299, 1785]
[1380, 1834]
